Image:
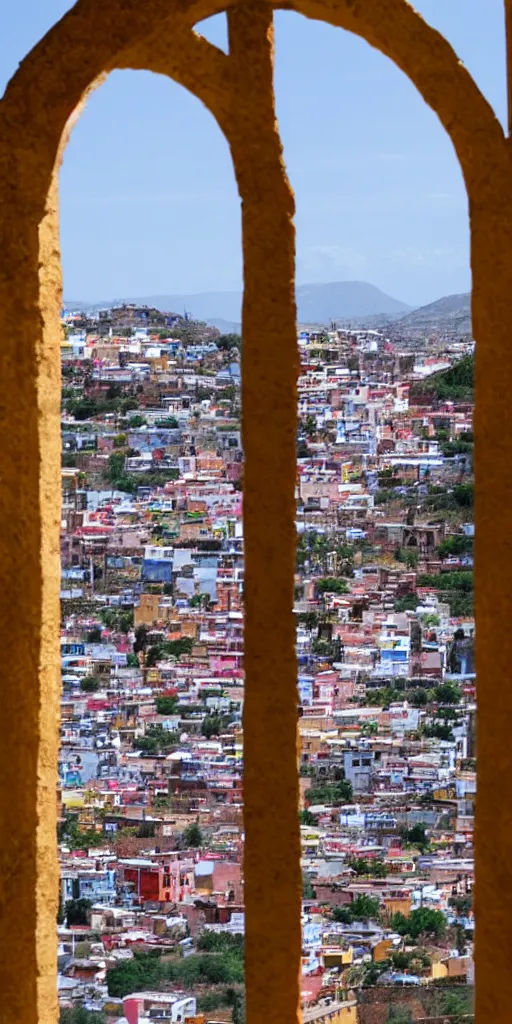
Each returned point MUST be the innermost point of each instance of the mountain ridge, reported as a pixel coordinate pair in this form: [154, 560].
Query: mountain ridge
[451, 310]
[316, 303]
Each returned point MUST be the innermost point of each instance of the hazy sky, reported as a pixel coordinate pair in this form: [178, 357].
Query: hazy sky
[148, 198]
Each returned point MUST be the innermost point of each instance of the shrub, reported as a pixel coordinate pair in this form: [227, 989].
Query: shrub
[79, 1015]
[362, 908]
[335, 793]
[90, 684]
[218, 942]
[332, 585]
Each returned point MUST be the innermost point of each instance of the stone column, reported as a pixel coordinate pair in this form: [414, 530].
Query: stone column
[269, 418]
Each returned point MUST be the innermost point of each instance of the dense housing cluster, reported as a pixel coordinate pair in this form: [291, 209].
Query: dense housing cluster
[151, 919]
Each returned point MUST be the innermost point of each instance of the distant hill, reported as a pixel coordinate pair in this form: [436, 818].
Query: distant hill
[320, 303]
[221, 307]
[225, 326]
[316, 303]
[453, 312]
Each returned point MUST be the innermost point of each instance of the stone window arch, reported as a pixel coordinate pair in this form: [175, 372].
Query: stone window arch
[36, 114]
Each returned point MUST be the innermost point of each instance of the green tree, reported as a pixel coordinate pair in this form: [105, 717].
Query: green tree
[417, 697]
[143, 972]
[308, 892]
[226, 968]
[422, 921]
[331, 585]
[400, 961]
[417, 836]
[77, 912]
[184, 645]
[364, 908]
[115, 469]
[464, 495]
[447, 581]
[156, 740]
[306, 818]
[218, 942]
[457, 544]
[309, 426]
[228, 342]
[117, 619]
[212, 1001]
[237, 1003]
[448, 714]
[438, 731]
[171, 648]
[430, 620]
[83, 409]
[308, 619]
[211, 726]
[342, 915]
[456, 1004]
[200, 601]
[407, 603]
[192, 835]
[166, 705]
[461, 904]
[447, 693]
[360, 865]
[169, 423]
[460, 939]
[325, 649]
[89, 684]
[141, 639]
[82, 950]
[369, 729]
[411, 558]
[127, 405]
[378, 869]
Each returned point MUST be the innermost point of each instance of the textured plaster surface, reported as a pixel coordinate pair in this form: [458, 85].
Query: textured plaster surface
[92, 39]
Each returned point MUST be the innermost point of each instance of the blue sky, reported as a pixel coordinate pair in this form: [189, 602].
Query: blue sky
[148, 198]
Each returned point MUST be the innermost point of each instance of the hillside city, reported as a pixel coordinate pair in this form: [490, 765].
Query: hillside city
[150, 797]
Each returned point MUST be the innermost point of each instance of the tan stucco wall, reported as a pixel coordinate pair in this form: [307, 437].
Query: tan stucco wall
[49, 86]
